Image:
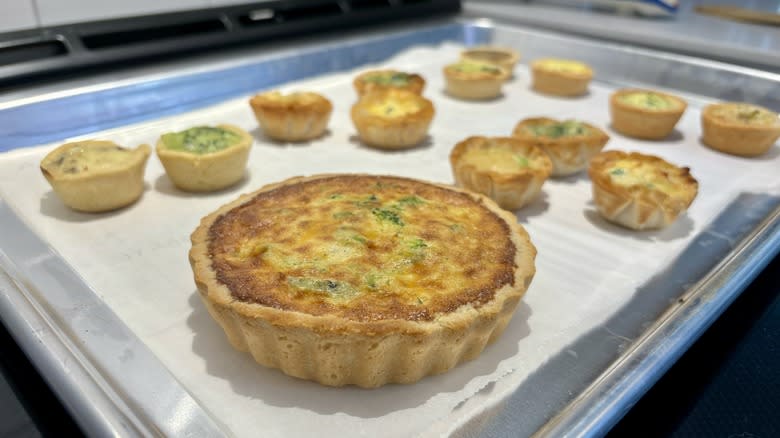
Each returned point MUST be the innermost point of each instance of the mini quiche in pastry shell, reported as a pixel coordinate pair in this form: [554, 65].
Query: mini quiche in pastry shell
[475, 80]
[560, 77]
[293, 117]
[505, 169]
[645, 114]
[95, 176]
[640, 191]
[205, 158]
[392, 119]
[383, 79]
[502, 56]
[739, 128]
[570, 144]
[355, 280]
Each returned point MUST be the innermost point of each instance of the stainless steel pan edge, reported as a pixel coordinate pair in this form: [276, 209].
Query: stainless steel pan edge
[615, 391]
[51, 327]
[108, 410]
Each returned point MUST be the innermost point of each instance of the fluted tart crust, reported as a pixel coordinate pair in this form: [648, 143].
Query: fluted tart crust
[560, 77]
[645, 114]
[640, 191]
[96, 175]
[739, 128]
[354, 279]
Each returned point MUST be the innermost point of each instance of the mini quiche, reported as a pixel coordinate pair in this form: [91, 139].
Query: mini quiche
[640, 191]
[205, 158]
[383, 79]
[560, 77]
[477, 80]
[502, 56]
[293, 117]
[354, 279]
[645, 114]
[505, 169]
[95, 176]
[570, 144]
[392, 118]
[739, 128]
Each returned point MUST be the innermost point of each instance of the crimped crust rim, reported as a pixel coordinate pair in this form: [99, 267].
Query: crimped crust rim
[537, 66]
[617, 103]
[245, 143]
[707, 117]
[320, 104]
[138, 160]
[451, 73]
[511, 55]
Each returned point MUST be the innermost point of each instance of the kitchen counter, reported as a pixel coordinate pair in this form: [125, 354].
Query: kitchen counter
[687, 32]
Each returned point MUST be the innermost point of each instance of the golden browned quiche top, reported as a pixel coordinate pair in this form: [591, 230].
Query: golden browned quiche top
[364, 248]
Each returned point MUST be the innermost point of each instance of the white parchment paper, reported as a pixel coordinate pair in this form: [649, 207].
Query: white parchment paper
[136, 258]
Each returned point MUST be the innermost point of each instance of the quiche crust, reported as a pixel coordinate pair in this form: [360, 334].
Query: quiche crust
[107, 185]
[503, 56]
[569, 152]
[378, 335]
[644, 122]
[739, 128]
[294, 117]
[206, 172]
[375, 80]
[475, 80]
[503, 168]
[640, 191]
[392, 118]
[560, 77]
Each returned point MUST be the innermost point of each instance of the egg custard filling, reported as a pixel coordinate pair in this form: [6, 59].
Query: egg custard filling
[88, 156]
[201, 140]
[640, 191]
[564, 65]
[365, 252]
[95, 175]
[649, 101]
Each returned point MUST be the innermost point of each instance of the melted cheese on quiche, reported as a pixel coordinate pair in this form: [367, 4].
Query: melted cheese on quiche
[499, 159]
[649, 101]
[393, 108]
[564, 65]
[366, 248]
[296, 98]
[745, 114]
[634, 174]
[89, 157]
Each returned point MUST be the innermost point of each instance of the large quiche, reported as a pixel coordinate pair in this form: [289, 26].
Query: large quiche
[357, 279]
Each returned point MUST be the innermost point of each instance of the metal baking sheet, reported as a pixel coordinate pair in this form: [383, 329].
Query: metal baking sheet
[69, 331]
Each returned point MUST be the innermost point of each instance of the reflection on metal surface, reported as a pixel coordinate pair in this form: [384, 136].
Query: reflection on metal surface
[60, 304]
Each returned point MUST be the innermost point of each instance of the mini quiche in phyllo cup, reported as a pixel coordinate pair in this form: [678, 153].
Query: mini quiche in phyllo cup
[205, 158]
[570, 144]
[640, 191]
[95, 176]
[505, 169]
